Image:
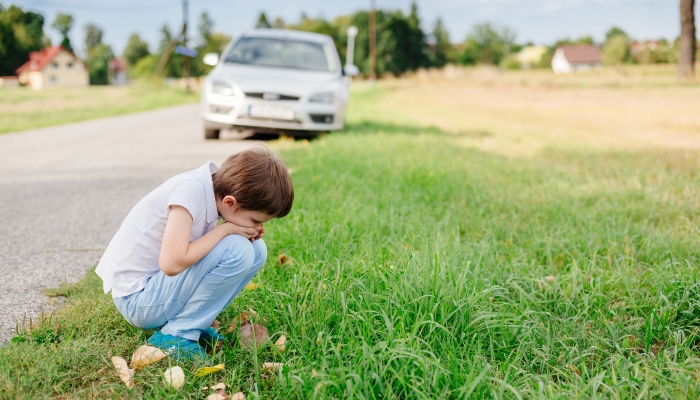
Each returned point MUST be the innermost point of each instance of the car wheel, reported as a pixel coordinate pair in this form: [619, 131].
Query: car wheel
[211, 133]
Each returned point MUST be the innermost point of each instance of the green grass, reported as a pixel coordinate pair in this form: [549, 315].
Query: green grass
[23, 108]
[420, 270]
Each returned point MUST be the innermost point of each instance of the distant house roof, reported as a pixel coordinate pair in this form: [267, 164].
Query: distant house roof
[117, 65]
[581, 54]
[39, 59]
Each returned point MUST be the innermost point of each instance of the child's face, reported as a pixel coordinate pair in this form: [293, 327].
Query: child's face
[231, 212]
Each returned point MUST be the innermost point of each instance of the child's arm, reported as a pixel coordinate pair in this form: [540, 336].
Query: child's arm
[177, 253]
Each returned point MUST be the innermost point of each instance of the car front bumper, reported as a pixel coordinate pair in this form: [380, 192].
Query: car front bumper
[234, 111]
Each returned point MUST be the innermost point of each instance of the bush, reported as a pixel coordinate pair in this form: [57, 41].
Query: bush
[510, 63]
[616, 50]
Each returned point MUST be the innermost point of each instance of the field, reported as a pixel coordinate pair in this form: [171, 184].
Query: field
[473, 234]
[23, 108]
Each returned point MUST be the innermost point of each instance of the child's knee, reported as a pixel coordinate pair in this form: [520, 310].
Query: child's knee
[260, 251]
[239, 251]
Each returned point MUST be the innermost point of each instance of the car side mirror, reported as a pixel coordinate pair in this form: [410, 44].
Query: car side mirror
[351, 70]
[211, 59]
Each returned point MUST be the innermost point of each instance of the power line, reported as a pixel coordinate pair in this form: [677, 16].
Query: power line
[98, 7]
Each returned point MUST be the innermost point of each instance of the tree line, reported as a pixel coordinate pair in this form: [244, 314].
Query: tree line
[402, 43]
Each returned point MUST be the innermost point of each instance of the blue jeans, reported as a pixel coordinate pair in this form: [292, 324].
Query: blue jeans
[186, 304]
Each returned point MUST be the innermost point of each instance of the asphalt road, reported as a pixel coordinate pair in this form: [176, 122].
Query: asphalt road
[65, 190]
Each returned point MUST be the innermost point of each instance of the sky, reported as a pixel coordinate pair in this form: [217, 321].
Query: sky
[537, 21]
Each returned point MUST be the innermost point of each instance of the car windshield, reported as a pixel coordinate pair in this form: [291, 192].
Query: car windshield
[282, 53]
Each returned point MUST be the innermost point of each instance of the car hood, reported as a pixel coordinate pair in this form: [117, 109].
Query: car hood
[274, 80]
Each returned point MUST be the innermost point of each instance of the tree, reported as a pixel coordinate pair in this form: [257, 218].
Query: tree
[136, 49]
[205, 27]
[98, 64]
[687, 41]
[616, 50]
[262, 21]
[443, 49]
[63, 24]
[20, 33]
[615, 31]
[487, 44]
[278, 23]
[93, 37]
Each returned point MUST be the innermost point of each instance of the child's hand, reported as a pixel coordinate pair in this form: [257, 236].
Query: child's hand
[261, 232]
[233, 229]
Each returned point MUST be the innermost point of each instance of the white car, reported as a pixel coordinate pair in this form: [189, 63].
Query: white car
[276, 81]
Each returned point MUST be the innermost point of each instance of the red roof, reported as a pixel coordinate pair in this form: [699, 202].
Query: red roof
[39, 59]
[581, 54]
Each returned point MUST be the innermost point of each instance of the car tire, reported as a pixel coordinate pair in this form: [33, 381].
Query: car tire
[211, 134]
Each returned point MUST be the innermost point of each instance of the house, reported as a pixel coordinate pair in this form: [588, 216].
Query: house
[9, 81]
[117, 72]
[579, 57]
[530, 56]
[53, 67]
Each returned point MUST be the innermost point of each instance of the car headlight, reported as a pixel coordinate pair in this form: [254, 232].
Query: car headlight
[222, 88]
[323, 97]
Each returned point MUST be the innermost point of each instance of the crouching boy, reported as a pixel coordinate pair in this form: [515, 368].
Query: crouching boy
[171, 267]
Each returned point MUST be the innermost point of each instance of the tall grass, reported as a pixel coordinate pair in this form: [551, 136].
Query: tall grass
[423, 268]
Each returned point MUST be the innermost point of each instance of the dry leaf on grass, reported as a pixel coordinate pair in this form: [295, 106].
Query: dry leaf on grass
[314, 373]
[549, 279]
[216, 324]
[220, 395]
[281, 343]
[218, 386]
[284, 260]
[174, 377]
[204, 371]
[251, 286]
[242, 318]
[270, 366]
[145, 356]
[125, 374]
[246, 332]
[238, 396]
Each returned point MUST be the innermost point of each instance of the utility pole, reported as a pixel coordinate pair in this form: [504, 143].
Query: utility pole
[185, 59]
[372, 42]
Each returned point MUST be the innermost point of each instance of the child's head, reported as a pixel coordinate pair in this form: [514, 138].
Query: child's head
[257, 180]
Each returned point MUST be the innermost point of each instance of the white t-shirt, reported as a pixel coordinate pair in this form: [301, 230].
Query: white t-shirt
[132, 255]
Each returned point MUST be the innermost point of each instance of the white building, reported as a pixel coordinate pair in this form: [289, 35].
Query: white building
[579, 57]
[53, 67]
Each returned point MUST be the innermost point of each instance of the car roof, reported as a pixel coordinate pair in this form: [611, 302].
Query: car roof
[287, 34]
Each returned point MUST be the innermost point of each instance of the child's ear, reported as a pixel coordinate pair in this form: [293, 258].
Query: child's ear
[230, 201]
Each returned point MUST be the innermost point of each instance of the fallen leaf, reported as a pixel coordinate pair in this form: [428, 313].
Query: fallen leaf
[251, 286]
[246, 333]
[204, 371]
[145, 356]
[125, 374]
[270, 366]
[284, 260]
[174, 377]
[314, 373]
[238, 396]
[218, 386]
[220, 395]
[549, 279]
[216, 324]
[281, 343]
[242, 317]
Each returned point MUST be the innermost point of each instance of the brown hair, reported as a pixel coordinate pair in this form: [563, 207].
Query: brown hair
[258, 180]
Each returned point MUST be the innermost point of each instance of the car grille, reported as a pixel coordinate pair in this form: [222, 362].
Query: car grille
[322, 118]
[272, 96]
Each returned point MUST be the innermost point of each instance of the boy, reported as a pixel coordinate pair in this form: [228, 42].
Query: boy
[171, 267]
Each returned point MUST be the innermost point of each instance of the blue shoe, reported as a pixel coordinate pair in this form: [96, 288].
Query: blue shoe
[211, 335]
[180, 349]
